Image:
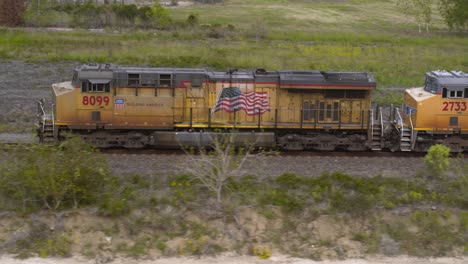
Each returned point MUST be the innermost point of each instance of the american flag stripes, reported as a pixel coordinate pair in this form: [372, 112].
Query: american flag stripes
[232, 99]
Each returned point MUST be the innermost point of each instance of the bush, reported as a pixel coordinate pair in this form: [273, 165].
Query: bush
[437, 161]
[54, 177]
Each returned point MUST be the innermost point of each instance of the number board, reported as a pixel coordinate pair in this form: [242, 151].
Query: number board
[454, 106]
[95, 100]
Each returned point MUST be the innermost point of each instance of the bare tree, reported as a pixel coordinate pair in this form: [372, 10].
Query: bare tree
[213, 168]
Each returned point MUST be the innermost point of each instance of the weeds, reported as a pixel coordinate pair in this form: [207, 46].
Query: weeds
[183, 190]
[435, 236]
[40, 240]
[261, 251]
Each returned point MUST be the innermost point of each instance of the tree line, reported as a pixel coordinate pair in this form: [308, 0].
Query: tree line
[85, 14]
[454, 12]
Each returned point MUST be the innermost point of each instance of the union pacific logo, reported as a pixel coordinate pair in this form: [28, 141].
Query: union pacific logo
[409, 110]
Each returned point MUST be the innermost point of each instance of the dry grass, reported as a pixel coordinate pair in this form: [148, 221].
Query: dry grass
[357, 16]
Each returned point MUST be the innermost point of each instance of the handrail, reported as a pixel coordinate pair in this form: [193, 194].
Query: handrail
[400, 122]
[381, 123]
[53, 122]
[400, 119]
[41, 113]
[44, 118]
[411, 125]
[41, 106]
[371, 125]
[411, 122]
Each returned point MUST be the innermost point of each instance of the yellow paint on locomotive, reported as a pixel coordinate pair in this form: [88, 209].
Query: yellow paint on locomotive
[434, 113]
[197, 105]
[139, 107]
[65, 108]
[183, 107]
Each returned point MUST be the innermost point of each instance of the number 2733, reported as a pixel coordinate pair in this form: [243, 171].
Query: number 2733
[454, 106]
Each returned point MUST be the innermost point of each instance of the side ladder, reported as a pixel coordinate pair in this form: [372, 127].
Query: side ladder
[406, 132]
[376, 137]
[46, 125]
[48, 135]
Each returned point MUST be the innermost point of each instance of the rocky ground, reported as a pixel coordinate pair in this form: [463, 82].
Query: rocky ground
[274, 166]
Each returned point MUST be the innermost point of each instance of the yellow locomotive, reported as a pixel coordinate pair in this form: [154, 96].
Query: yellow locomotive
[168, 107]
[436, 113]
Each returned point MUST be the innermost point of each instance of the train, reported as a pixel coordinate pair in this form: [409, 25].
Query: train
[293, 110]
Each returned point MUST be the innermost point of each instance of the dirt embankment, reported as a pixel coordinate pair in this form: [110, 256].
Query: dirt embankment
[234, 259]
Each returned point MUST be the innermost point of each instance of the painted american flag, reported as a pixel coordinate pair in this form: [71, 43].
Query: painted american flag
[231, 99]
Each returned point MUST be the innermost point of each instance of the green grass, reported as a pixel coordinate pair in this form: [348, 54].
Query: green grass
[309, 16]
[396, 61]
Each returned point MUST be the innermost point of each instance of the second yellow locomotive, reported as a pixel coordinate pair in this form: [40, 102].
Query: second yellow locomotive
[437, 113]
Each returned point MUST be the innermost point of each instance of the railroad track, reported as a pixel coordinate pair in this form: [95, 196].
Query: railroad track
[11, 139]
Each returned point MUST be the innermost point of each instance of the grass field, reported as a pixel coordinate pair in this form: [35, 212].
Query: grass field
[356, 35]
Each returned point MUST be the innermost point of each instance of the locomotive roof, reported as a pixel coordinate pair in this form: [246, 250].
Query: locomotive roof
[115, 68]
[102, 71]
[449, 77]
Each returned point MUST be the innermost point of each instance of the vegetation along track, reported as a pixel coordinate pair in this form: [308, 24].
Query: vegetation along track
[164, 163]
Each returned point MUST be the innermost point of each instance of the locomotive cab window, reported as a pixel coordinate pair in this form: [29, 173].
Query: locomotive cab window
[165, 80]
[95, 86]
[75, 81]
[430, 86]
[353, 94]
[455, 94]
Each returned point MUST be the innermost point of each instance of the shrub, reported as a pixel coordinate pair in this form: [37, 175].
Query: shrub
[437, 160]
[289, 180]
[261, 251]
[282, 198]
[54, 177]
[193, 20]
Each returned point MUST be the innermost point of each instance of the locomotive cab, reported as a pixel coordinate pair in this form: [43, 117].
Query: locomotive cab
[86, 101]
[438, 112]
